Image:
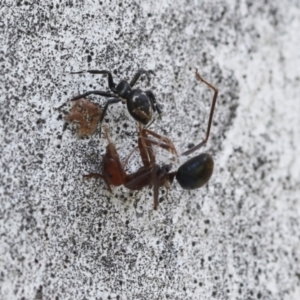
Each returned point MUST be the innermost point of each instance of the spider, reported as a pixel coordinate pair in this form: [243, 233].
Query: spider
[193, 174]
[140, 104]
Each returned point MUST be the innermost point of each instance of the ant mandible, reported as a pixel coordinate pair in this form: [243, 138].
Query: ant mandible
[141, 105]
[193, 174]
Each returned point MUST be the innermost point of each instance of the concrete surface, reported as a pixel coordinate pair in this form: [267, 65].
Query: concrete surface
[62, 237]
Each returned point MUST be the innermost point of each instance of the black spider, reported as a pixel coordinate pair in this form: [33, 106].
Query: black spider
[140, 104]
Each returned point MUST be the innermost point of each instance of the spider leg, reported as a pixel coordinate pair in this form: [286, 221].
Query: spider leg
[111, 83]
[155, 105]
[138, 74]
[109, 102]
[100, 93]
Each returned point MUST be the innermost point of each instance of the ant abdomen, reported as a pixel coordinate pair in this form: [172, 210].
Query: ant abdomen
[195, 172]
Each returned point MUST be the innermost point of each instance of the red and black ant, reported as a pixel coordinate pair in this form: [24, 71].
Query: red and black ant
[141, 105]
[193, 174]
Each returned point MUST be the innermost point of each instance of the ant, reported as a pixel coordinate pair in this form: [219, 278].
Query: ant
[141, 105]
[193, 174]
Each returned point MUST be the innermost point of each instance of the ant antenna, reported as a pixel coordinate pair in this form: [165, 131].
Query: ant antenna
[106, 133]
[210, 115]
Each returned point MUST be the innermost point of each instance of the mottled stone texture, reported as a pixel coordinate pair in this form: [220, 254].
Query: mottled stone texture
[62, 237]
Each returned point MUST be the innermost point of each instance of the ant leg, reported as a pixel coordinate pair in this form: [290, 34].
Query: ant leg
[106, 132]
[138, 74]
[109, 102]
[210, 116]
[111, 83]
[93, 175]
[130, 154]
[97, 175]
[146, 152]
[100, 93]
[145, 147]
[154, 104]
[155, 181]
[136, 200]
[165, 143]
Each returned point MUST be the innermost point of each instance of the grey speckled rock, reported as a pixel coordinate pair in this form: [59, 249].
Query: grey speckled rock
[62, 237]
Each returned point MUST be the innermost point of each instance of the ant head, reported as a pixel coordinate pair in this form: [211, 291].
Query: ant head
[164, 170]
[123, 89]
